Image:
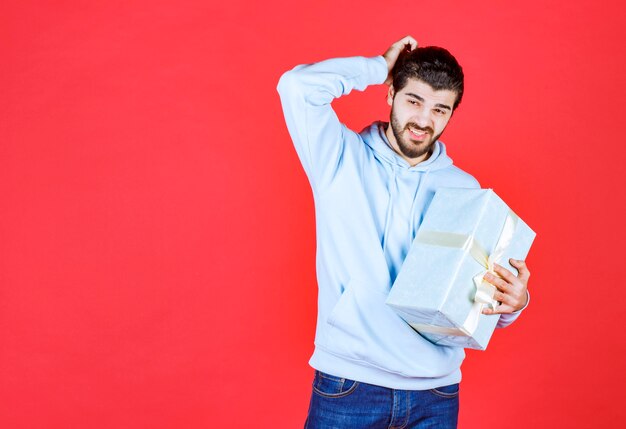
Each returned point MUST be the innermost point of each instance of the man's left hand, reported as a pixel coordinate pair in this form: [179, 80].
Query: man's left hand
[510, 289]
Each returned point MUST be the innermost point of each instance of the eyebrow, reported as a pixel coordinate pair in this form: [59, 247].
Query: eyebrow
[442, 106]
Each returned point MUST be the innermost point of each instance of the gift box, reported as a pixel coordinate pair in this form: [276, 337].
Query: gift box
[440, 291]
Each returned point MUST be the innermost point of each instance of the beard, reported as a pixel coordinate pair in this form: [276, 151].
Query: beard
[412, 149]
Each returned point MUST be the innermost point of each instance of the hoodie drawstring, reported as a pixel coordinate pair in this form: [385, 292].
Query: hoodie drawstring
[392, 192]
[420, 186]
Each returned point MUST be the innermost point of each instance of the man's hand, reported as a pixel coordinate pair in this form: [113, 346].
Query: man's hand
[391, 56]
[511, 290]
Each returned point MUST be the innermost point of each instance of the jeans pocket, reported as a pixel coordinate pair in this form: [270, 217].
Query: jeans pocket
[450, 391]
[331, 386]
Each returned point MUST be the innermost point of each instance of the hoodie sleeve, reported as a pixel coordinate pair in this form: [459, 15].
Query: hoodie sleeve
[306, 92]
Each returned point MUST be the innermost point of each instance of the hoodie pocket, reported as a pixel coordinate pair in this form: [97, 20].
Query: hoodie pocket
[351, 322]
[343, 306]
[361, 327]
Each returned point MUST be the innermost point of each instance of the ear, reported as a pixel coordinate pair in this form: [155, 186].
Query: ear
[390, 95]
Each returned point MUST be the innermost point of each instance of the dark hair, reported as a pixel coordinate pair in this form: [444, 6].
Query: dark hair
[432, 65]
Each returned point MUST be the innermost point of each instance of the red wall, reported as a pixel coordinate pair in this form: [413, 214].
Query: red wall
[157, 232]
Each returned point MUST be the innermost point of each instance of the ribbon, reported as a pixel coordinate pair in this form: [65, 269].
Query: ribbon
[484, 290]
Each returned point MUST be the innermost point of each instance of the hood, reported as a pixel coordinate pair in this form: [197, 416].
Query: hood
[374, 136]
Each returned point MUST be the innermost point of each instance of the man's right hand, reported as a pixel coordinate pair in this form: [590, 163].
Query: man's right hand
[391, 56]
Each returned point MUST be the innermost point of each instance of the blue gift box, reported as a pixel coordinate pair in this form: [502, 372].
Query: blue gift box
[439, 290]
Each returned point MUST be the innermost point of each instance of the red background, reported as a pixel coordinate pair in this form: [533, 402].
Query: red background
[157, 231]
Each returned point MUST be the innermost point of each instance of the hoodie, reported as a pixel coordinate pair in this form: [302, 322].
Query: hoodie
[369, 203]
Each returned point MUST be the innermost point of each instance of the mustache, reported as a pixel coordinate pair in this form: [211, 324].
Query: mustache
[417, 127]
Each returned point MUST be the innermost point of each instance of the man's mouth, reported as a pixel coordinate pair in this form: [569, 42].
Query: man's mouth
[417, 133]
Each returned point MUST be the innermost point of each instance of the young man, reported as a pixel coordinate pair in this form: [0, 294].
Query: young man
[371, 191]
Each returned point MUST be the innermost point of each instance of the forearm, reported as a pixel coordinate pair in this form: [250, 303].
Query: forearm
[319, 83]
[306, 93]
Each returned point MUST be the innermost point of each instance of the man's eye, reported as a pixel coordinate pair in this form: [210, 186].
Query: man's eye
[412, 101]
[439, 111]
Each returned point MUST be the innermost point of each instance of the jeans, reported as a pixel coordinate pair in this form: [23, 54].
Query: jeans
[341, 403]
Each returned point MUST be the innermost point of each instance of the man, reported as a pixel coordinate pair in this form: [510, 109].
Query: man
[371, 191]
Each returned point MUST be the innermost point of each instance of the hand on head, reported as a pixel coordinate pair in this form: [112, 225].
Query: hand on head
[394, 51]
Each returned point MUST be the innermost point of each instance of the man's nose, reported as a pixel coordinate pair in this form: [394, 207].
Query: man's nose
[422, 117]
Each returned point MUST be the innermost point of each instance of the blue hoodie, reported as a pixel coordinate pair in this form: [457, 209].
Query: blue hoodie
[369, 203]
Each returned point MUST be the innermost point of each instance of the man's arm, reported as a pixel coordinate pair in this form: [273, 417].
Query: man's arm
[306, 93]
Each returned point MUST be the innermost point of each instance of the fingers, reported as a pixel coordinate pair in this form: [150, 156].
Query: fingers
[497, 282]
[395, 49]
[504, 273]
[501, 309]
[505, 302]
[510, 289]
[391, 56]
[522, 269]
[502, 298]
[407, 40]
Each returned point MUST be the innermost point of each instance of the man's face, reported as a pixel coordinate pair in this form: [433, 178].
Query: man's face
[419, 114]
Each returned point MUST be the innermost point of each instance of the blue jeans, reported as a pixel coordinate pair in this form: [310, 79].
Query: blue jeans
[341, 403]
